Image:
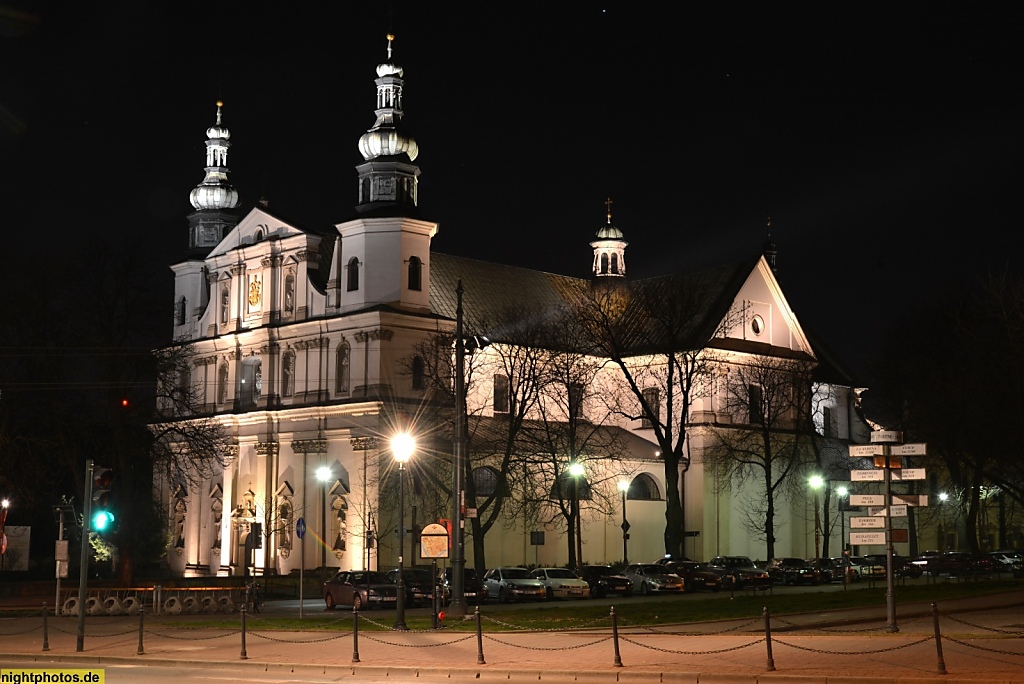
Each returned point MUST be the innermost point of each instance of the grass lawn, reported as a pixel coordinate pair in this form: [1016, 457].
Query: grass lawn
[648, 611]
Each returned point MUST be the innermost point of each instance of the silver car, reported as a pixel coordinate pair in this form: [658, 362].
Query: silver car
[562, 583]
[513, 584]
[649, 578]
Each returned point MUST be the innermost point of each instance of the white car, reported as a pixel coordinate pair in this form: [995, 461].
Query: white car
[561, 583]
[649, 578]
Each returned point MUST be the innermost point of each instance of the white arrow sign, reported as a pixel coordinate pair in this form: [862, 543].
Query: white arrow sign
[910, 450]
[905, 474]
[896, 511]
[867, 538]
[886, 437]
[867, 499]
[869, 522]
[910, 499]
[867, 475]
[861, 450]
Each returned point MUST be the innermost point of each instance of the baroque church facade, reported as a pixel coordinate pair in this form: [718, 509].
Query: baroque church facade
[312, 349]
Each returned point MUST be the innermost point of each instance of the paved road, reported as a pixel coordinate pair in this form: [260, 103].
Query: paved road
[983, 641]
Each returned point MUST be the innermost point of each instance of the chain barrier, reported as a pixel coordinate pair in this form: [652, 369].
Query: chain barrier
[364, 635]
[133, 630]
[517, 628]
[187, 638]
[300, 641]
[30, 629]
[990, 629]
[552, 648]
[880, 650]
[712, 652]
[983, 648]
[734, 628]
[830, 630]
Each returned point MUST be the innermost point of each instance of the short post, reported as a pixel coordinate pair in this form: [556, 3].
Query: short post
[142, 614]
[768, 639]
[158, 599]
[355, 635]
[938, 639]
[479, 639]
[615, 638]
[46, 631]
[244, 655]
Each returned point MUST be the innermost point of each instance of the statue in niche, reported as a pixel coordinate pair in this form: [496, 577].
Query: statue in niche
[217, 509]
[180, 509]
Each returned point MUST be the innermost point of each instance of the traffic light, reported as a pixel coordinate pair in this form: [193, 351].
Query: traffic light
[102, 499]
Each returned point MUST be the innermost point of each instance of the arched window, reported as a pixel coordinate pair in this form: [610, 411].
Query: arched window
[417, 373]
[353, 274]
[180, 312]
[615, 264]
[652, 397]
[251, 388]
[604, 264]
[501, 395]
[342, 363]
[415, 273]
[643, 488]
[485, 481]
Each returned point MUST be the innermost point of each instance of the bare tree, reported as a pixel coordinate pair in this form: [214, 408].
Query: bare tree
[766, 444]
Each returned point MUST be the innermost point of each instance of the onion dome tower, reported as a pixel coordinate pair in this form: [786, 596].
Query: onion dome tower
[609, 249]
[388, 180]
[214, 199]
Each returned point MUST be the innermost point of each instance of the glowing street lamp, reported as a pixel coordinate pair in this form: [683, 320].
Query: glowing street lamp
[402, 447]
[624, 488]
[576, 470]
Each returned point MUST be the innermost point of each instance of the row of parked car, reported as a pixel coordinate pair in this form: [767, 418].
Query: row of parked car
[370, 589]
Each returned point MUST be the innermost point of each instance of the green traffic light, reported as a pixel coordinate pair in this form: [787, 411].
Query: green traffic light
[102, 520]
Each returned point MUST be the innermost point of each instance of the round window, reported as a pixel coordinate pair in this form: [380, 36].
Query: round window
[757, 325]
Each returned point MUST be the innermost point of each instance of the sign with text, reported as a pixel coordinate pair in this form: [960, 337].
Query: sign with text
[909, 450]
[896, 510]
[860, 522]
[908, 474]
[866, 476]
[886, 437]
[867, 499]
[434, 541]
[910, 499]
[867, 538]
[862, 450]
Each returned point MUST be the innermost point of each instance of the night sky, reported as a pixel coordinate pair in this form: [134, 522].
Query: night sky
[884, 147]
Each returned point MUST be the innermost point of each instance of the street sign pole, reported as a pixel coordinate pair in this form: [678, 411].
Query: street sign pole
[890, 585]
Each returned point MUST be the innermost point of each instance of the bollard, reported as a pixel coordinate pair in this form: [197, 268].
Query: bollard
[479, 639]
[244, 655]
[768, 639]
[142, 613]
[46, 631]
[158, 599]
[615, 638]
[355, 635]
[938, 639]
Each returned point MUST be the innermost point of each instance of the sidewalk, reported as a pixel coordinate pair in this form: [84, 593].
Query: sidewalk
[982, 641]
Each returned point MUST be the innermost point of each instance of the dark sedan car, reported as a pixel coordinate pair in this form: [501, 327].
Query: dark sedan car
[419, 589]
[473, 590]
[359, 589]
[696, 576]
[739, 572]
[793, 571]
[604, 580]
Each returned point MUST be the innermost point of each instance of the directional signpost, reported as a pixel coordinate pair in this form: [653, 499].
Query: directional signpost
[887, 451]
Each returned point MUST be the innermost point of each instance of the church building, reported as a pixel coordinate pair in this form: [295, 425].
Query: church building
[312, 349]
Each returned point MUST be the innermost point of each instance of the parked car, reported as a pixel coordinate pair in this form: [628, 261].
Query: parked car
[473, 588]
[696, 576]
[604, 580]
[739, 572]
[866, 570]
[419, 585]
[359, 588]
[901, 565]
[513, 584]
[648, 578]
[668, 559]
[827, 569]
[561, 583]
[1009, 561]
[793, 571]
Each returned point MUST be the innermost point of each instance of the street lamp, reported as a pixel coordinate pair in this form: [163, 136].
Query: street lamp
[842, 493]
[576, 470]
[323, 476]
[4, 505]
[816, 482]
[624, 488]
[402, 446]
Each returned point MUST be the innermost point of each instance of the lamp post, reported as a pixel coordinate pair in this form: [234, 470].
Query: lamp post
[624, 488]
[323, 475]
[4, 505]
[402, 446]
[842, 493]
[576, 470]
[816, 483]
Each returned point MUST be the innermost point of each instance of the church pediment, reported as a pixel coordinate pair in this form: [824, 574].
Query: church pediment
[257, 227]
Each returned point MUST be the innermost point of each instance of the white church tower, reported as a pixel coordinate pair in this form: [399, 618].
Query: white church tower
[609, 249]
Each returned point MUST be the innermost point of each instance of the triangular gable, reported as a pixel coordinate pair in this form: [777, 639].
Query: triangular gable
[257, 226]
[764, 317]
